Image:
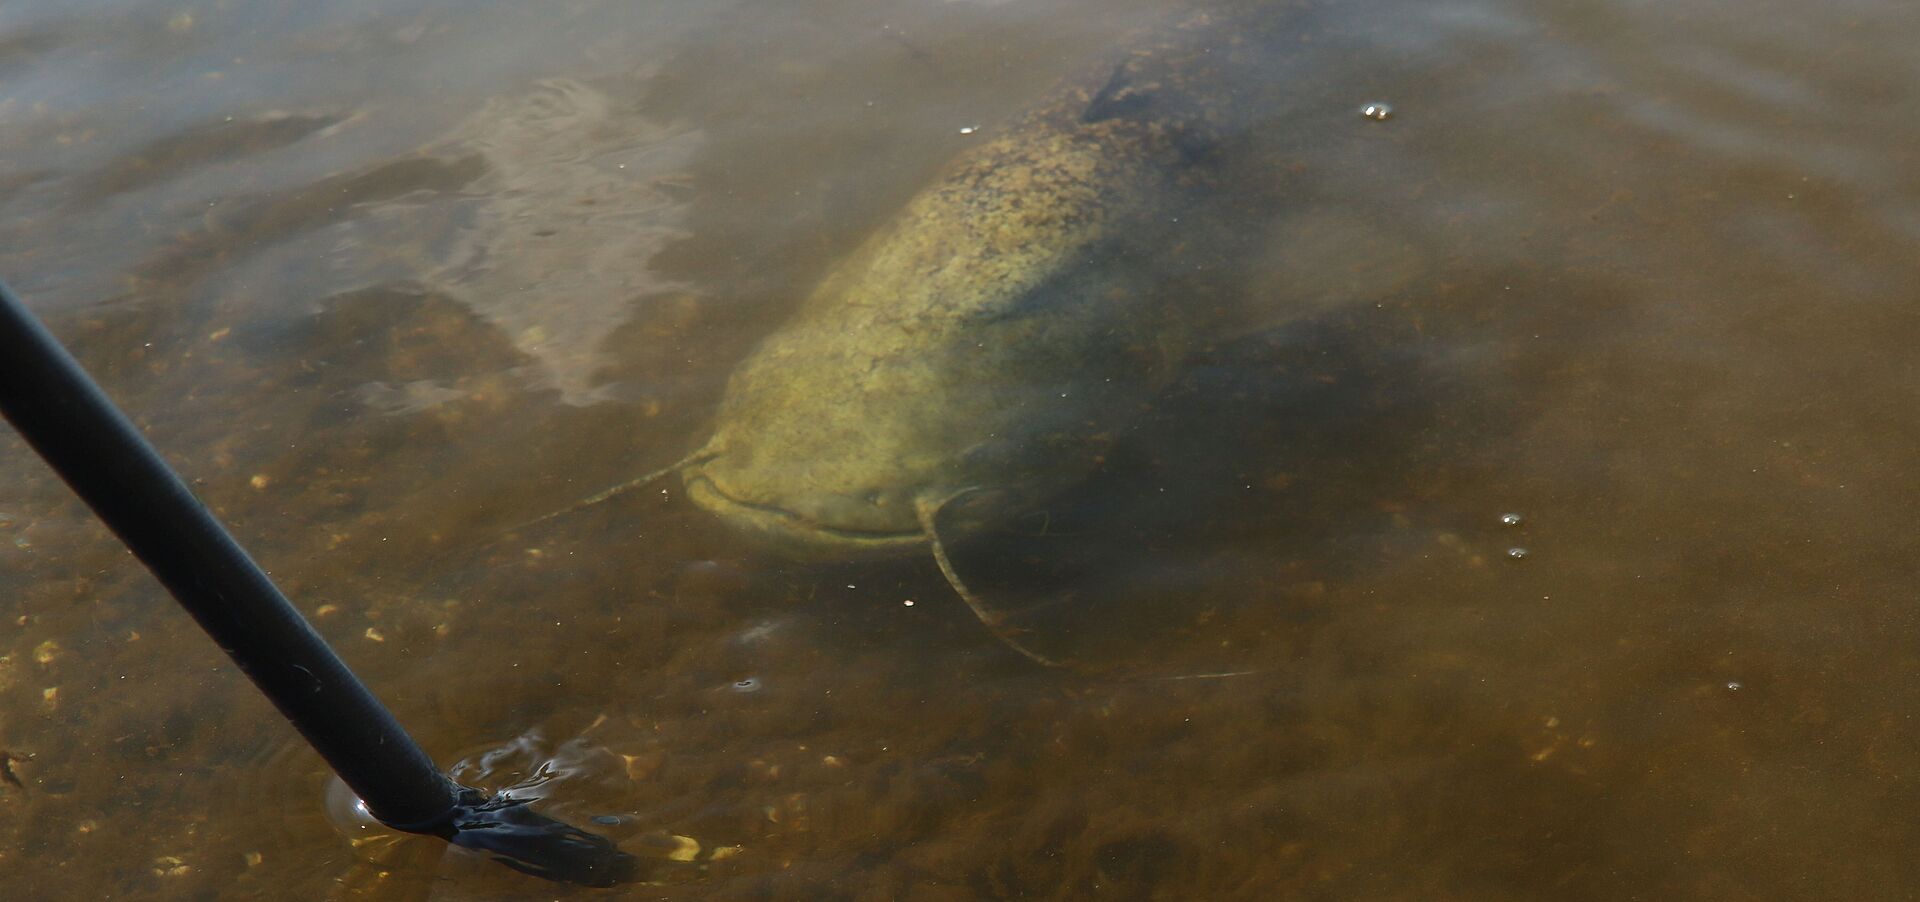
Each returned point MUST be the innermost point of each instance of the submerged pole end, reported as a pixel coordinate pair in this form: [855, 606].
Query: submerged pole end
[508, 831]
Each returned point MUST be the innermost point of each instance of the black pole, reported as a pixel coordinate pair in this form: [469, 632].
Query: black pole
[72, 424]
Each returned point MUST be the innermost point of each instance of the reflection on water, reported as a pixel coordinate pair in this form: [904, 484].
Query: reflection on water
[388, 280]
[571, 205]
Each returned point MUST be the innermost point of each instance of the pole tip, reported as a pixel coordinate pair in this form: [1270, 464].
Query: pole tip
[506, 830]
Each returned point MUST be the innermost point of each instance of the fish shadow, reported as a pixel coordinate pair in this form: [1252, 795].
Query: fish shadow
[1267, 473]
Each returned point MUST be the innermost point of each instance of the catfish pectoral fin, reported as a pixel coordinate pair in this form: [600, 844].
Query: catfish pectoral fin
[993, 620]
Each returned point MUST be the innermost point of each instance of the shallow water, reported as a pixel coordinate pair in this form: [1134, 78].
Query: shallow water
[386, 280]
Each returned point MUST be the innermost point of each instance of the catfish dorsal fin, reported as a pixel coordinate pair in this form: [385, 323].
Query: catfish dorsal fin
[994, 621]
[706, 452]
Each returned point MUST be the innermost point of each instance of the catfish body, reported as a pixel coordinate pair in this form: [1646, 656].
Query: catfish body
[977, 353]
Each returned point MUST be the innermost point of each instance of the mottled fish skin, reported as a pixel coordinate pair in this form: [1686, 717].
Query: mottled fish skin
[982, 346]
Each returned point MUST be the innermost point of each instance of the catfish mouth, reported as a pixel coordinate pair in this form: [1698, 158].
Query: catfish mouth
[794, 528]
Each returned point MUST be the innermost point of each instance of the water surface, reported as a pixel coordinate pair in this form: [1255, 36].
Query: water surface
[387, 279]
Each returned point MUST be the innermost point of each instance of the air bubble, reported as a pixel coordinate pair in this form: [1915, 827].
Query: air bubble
[748, 684]
[1378, 112]
[1517, 553]
[348, 814]
[1512, 519]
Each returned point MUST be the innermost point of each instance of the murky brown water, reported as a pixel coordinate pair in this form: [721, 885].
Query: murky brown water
[387, 279]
